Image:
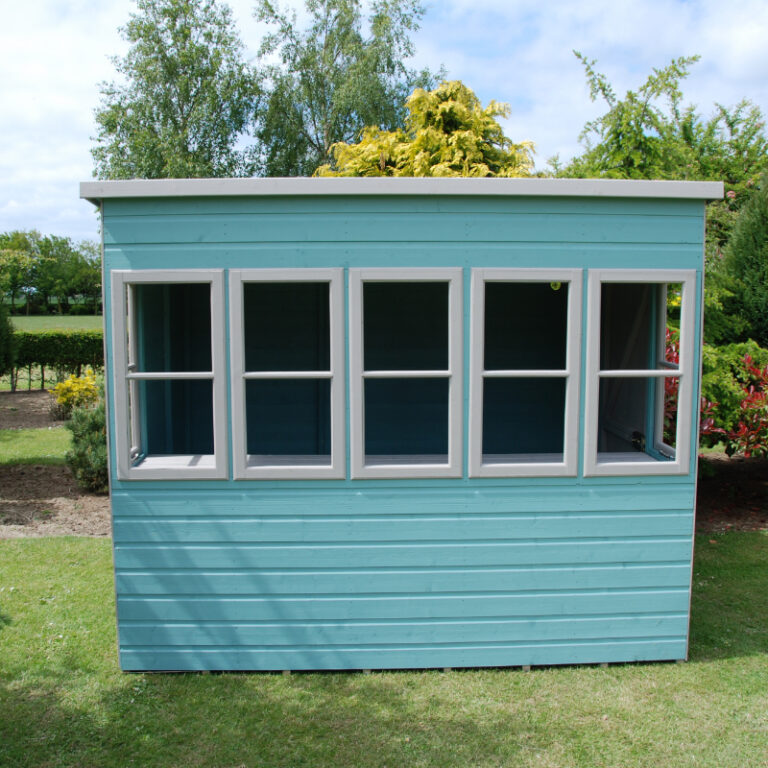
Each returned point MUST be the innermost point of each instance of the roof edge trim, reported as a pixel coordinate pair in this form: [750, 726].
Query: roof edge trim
[96, 191]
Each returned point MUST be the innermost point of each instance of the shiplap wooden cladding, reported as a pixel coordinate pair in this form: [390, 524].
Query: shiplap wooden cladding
[401, 423]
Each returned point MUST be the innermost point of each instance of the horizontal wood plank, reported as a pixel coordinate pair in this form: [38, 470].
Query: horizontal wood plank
[387, 581]
[403, 227]
[410, 607]
[538, 653]
[378, 555]
[329, 635]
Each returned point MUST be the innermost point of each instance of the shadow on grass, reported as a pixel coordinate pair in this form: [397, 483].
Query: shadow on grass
[260, 720]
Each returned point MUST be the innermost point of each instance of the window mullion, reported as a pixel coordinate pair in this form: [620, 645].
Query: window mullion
[525, 374]
[640, 373]
[252, 375]
[407, 374]
[170, 375]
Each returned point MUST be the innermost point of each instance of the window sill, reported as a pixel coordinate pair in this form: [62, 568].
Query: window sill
[634, 463]
[523, 465]
[176, 467]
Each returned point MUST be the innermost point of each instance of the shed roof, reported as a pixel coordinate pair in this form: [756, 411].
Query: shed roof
[96, 191]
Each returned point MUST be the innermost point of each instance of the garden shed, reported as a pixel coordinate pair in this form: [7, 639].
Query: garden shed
[402, 423]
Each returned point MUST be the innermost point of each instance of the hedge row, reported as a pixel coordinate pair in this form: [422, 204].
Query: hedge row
[68, 350]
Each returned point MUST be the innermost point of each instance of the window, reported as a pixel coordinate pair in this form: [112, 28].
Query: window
[406, 372]
[524, 395]
[640, 372]
[170, 392]
[287, 336]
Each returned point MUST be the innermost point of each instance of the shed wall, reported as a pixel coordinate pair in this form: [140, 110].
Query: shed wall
[402, 573]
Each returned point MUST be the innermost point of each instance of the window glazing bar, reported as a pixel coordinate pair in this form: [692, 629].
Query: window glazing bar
[526, 374]
[168, 375]
[288, 375]
[641, 374]
[406, 374]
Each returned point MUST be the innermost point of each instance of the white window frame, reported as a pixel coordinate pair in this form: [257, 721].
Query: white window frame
[125, 381]
[525, 467]
[454, 373]
[628, 465]
[289, 468]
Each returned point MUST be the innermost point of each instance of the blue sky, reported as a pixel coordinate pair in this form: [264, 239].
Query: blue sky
[53, 54]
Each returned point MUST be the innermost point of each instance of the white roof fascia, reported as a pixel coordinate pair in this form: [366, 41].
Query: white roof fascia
[146, 188]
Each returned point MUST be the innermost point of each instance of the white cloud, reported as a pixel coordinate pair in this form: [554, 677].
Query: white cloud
[53, 54]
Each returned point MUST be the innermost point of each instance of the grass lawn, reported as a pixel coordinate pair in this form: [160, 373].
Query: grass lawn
[57, 322]
[34, 446]
[64, 702]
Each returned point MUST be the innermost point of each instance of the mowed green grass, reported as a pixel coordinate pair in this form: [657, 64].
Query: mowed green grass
[57, 322]
[34, 446]
[64, 702]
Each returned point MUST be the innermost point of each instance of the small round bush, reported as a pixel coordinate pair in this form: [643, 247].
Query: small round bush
[88, 457]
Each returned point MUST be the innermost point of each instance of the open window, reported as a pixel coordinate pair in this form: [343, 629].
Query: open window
[169, 379]
[524, 398]
[640, 372]
[406, 372]
[287, 334]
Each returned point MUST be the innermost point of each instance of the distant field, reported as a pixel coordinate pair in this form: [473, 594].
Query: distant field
[57, 322]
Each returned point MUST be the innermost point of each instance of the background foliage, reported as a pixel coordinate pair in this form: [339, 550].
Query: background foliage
[49, 272]
[68, 350]
[334, 78]
[185, 99]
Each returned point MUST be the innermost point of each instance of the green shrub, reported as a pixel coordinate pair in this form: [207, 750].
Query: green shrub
[723, 377]
[88, 457]
[7, 341]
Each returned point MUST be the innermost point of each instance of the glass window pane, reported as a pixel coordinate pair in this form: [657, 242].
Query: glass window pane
[173, 326]
[405, 326]
[632, 330]
[407, 418]
[627, 422]
[289, 417]
[526, 326]
[176, 416]
[523, 417]
[669, 390]
[672, 297]
[287, 326]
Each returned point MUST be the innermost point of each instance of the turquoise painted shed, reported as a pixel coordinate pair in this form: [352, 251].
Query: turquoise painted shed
[401, 423]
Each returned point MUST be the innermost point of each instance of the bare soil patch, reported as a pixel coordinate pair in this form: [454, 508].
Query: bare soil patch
[732, 494]
[26, 410]
[45, 501]
[38, 500]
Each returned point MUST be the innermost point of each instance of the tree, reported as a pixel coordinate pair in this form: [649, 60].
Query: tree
[88, 278]
[187, 99]
[18, 251]
[747, 261]
[7, 342]
[333, 79]
[650, 135]
[448, 133]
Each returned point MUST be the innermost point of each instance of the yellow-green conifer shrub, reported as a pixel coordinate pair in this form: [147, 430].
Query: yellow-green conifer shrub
[448, 133]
